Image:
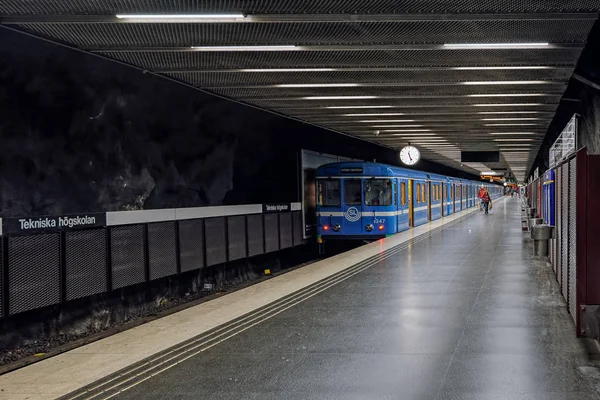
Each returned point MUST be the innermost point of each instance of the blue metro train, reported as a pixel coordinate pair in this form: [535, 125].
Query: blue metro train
[368, 201]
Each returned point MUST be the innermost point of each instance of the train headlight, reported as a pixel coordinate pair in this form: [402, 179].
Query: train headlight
[337, 227]
[380, 227]
[369, 228]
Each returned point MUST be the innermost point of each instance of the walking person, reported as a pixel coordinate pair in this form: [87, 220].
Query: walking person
[487, 201]
[480, 196]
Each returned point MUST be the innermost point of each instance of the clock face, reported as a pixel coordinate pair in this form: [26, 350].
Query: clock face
[409, 155]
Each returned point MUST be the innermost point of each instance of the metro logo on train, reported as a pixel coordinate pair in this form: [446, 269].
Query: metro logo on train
[368, 201]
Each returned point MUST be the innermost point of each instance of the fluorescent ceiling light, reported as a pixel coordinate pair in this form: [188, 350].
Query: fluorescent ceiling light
[316, 85]
[396, 126]
[286, 70]
[407, 130]
[180, 17]
[505, 82]
[500, 68]
[490, 173]
[495, 45]
[508, 95]
[386, 120]
[244, 48]
[374, 115]
[339, 97]
[513, 140]
[512, 133]
[508, 105]
[509, 124]
[510, 119]
[351, 107]
[509, 112]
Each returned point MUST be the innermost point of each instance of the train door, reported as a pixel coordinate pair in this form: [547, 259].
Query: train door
[429, 202]
[410, 203]
[442, 190]
[403, 205]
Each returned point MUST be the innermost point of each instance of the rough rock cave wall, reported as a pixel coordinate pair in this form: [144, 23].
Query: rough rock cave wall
[79, 133]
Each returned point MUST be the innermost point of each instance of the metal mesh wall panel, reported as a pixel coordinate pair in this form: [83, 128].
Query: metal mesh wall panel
[565, 231]
[271, 233]
[572, 239]
[256, 244]
[191, 244]
[162, 249]
[216, 250]
[285, 230]
[85, 254]
[33, 272]
[298, 228]
[236, 231]
[128, 255]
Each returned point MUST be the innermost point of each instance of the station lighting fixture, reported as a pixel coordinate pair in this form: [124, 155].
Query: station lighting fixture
[509, 95]
[518, 68]
[351, 107]
[339, 97]
[508, 112]
[513, 140]
[316, 85]
[180, 17]
[511, 124]
[397, 126]
[496, 45]
[285, 70]
[508, 105]
[511, 119]
[512, 133]
[374, 115]
[386, 120]
[508, 82]
[407, 130]
[245, 48]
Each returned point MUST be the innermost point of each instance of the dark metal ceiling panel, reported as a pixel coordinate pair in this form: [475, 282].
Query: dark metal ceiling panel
[291, 6]
[111, 35]
[210, 79]
[431, 92]
[338, 59]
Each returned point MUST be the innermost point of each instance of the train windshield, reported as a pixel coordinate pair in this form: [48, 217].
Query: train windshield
[328, 192]
[378, 192]
[352, 189]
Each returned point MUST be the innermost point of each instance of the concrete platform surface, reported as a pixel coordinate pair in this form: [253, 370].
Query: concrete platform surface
[466, 314]
[65, 373]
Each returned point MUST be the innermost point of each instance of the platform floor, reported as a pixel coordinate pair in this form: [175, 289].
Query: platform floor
[460, 312]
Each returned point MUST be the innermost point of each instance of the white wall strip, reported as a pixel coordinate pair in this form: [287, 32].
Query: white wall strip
[173, 214]
[139, 217]
[0, 226]
[220, 211]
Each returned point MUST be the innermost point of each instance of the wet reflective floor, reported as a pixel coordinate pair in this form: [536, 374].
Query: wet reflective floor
[464, 314]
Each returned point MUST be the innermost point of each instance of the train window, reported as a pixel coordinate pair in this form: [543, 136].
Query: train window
[423, 194]
[328, 191]
[418, 199]
[378, 192]
[445, 192]
[403, 194]
[352, 189]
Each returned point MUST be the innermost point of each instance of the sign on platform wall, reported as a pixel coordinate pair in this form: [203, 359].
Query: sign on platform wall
[26, 225]
[276, 207]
